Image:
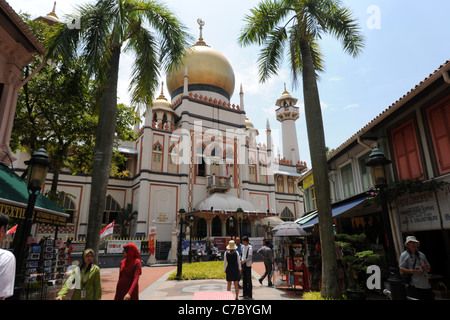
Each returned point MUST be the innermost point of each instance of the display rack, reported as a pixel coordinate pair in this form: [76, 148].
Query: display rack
[45, 267]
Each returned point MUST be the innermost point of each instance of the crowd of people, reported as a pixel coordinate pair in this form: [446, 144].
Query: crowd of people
[85, 279]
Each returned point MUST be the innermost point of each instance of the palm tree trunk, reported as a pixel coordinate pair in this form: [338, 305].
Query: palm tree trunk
[103, 153]
[317, 147]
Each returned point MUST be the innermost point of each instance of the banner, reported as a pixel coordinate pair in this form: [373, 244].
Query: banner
[116, 246]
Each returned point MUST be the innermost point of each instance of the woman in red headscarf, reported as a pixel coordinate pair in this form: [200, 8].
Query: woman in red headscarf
[130, 271]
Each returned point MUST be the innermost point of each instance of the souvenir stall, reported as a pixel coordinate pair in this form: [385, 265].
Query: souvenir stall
[290, 257]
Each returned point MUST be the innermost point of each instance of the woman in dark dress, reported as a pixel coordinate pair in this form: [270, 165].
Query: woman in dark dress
[232, 267]
[130, 271]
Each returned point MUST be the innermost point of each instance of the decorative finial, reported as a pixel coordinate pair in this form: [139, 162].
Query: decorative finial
[200, 41]
[161, 96]
[54, 7]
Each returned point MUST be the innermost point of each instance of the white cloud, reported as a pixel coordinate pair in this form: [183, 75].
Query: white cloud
[335, 79]
[352, 106]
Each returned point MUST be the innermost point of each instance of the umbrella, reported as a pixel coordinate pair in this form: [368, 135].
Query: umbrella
[289, 228]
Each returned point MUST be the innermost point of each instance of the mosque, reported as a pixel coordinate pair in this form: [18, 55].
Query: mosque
[198, 152]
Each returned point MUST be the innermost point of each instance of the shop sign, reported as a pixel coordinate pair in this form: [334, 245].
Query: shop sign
[308, 181]
[420, 212]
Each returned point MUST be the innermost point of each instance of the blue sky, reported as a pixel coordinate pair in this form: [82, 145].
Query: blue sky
[406, 40]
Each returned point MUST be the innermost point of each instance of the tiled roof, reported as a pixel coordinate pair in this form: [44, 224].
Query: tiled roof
[393, 107]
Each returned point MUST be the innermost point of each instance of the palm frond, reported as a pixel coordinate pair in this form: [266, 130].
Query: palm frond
[145, 67]
[271, 56]
[173, 35]
[341, 24]
[263, 18]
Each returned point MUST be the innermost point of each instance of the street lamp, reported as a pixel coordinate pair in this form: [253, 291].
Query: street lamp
[191, 226]
[240, 217]
[378, 165]
[181, 218]
[36, 173]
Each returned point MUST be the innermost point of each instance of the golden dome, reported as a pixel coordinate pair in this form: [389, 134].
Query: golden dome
[207, 70]
[161, 101]
[248, 123]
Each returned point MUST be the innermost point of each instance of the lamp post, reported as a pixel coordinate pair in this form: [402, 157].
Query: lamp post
[240, 217]
[191, 225]
[36, 173]
[181, 217]
[378, 165]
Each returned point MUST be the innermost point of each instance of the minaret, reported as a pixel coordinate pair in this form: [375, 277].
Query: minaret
[287, 113]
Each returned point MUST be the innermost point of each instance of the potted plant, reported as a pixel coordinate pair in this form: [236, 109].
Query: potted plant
[356, 260]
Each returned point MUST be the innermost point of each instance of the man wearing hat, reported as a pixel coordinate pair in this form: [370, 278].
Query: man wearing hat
[414, 263]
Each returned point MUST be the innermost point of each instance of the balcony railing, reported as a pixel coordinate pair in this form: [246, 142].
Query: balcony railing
[216, 183]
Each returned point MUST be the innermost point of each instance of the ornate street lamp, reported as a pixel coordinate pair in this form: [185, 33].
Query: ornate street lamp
[240, 217]
[36, 173]
[181, 218]
[378, 165]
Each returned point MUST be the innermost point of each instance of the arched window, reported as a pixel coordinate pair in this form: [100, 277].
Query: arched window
[251, 170]
[287, 215]
[111, 209]
[291, 188]
[246, 229]
[200, 161]
[214, 160]
[201, 228]
[157, 157]
[232, 227]
[216, 227]
[229, 160]
[280, 184]
[173, 159]
[69, 206]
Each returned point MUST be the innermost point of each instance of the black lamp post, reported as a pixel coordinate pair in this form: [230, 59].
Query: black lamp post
[181, 218]
[378, 165]
[240, 217]
[191, 226]
[37, 172]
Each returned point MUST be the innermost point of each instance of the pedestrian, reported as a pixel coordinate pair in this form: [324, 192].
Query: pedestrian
[247, 259]
[232, 267]
[414, 265]
[130, 271]
[86, 280]
[239, 246]
[267, 254]
[7, 263]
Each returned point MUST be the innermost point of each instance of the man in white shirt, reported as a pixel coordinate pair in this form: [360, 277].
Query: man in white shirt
[7, 263]
[247, 259]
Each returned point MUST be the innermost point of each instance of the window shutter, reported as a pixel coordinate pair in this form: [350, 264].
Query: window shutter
[439, 122]
[406, 150]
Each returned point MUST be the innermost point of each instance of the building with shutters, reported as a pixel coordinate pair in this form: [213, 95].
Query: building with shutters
[414, 133]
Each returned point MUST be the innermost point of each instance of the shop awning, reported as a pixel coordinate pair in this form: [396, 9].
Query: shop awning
[336, 211]
[14, 200]
[307, 217]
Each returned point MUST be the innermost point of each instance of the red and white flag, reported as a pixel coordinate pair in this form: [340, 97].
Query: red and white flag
[12, 230]
[109, 229]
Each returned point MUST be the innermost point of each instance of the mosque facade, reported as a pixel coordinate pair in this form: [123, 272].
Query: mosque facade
[198, 152]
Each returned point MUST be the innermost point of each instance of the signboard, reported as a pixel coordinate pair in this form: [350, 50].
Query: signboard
[116, 246]
[200, 246]
[151, 240]
[38, 216]
[308, 182]
[421, 212]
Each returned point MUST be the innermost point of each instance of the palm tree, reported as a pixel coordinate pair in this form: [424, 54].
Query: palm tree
[124, 217]
[107, 26]
[298, 25]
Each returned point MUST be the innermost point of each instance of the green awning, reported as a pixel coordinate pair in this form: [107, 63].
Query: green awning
[14, 200]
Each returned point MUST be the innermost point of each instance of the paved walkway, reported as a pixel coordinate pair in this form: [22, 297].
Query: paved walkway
[153, 285]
